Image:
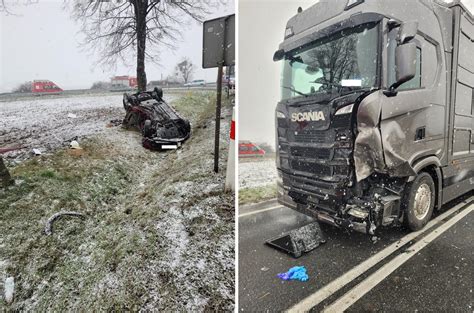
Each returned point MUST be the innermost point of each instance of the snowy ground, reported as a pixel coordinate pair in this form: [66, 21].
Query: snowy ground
[257, 173]
[159, 229]
[50, 123]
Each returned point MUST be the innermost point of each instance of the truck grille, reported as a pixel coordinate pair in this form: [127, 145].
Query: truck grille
[341, 121]
[311, 136]
[309, 152]
[312, 168]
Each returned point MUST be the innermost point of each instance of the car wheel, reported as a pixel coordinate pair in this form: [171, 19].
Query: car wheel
[147, 128]
[418, 202]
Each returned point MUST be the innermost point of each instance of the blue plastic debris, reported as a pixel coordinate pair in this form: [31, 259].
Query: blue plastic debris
[295, 273]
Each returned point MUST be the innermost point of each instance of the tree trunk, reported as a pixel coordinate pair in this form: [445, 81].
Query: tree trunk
[5, 178]
[140, 14]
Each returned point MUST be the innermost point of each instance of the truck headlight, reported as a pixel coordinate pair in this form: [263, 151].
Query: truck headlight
[345, 110]
[280, 115]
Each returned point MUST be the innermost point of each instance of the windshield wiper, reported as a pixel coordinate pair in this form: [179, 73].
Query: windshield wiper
[292, 89]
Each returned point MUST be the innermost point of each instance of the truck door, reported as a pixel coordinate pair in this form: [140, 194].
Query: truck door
[413, 122]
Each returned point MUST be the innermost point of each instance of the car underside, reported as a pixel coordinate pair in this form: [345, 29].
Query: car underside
[161, 126]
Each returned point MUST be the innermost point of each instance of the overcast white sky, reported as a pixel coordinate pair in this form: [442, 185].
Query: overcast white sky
[261, 27]
[262, 24]
[42, 42]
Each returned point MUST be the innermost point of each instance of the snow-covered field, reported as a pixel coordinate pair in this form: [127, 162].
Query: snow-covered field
[257, 173]
[49, 123]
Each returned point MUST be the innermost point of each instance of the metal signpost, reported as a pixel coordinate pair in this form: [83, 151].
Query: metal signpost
[218, 51]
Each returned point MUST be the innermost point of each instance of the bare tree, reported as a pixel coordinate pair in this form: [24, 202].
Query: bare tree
[185, 69]
[114, 28]
[25, 87]
[5, 5]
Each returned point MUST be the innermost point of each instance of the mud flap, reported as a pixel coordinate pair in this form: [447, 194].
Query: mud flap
[300, 240]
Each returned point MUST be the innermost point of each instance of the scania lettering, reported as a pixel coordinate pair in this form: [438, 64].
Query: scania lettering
[307, 116]
[375, 123]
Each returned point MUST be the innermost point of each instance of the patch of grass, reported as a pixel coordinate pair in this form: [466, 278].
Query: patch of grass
[47, 174]
[115, 258]
[258, 194]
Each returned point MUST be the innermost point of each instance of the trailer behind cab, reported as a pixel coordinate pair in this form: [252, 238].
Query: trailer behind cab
[375, 124]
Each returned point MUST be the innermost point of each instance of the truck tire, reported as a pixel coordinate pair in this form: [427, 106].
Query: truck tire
[418, 202]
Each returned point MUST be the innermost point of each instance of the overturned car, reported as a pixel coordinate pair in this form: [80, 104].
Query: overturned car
[162, 127]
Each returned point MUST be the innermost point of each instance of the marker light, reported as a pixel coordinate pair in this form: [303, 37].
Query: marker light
[345, 110]
[289, 32]
[353, 3]
[280, 115]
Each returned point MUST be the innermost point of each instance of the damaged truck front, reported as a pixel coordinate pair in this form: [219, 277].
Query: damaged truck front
[374, 127]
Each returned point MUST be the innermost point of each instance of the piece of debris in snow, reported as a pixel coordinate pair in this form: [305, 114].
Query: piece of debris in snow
[5, 150]
[9, 289]
[113, 123]
[295, 273]
[75, 145]
[36, 151]
[48, 229]
[300, 240]
[72, 115]
[161, 126]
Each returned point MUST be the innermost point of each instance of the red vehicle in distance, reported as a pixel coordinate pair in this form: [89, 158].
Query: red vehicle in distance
[45, 87]
[249, 149]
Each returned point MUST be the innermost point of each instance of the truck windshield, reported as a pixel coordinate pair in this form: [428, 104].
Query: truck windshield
[347, 59]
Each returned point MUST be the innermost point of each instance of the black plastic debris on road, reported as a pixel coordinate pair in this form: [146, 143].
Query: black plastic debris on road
[300, 240]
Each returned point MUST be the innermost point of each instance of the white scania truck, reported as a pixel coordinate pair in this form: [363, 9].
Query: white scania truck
[375, 124]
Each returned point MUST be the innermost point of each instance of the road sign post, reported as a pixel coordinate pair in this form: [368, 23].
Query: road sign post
[218, 51]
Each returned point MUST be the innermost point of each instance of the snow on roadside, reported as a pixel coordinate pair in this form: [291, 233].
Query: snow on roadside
[257, 173]
[50, 123]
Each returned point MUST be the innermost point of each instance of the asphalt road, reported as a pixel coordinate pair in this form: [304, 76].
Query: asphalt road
[397, 271]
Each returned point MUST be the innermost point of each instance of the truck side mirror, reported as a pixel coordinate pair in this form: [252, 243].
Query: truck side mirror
[405, 55]
[279, 55]
[405, 62]
[405, 66]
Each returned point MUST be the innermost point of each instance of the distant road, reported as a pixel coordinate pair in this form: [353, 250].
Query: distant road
[11, 96]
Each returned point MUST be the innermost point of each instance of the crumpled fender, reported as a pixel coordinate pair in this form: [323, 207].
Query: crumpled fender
[394, 139]
[374, 152]
[368, 149]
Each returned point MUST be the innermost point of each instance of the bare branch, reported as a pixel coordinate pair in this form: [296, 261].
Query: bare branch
[142, 27]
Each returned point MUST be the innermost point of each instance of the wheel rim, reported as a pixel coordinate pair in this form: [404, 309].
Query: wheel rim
[422, 201]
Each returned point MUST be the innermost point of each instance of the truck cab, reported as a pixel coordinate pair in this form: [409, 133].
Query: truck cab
[374, 126]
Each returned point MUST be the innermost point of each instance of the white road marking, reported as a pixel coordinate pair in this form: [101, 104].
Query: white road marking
[370, 282]
[331, 288]
[261, 211]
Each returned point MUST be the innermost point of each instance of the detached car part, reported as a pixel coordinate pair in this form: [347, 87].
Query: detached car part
[162, 127]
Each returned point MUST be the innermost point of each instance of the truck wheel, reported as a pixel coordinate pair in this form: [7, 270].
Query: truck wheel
[419, 201]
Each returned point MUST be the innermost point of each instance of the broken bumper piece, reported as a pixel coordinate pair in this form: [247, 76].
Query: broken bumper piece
[363, 216]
